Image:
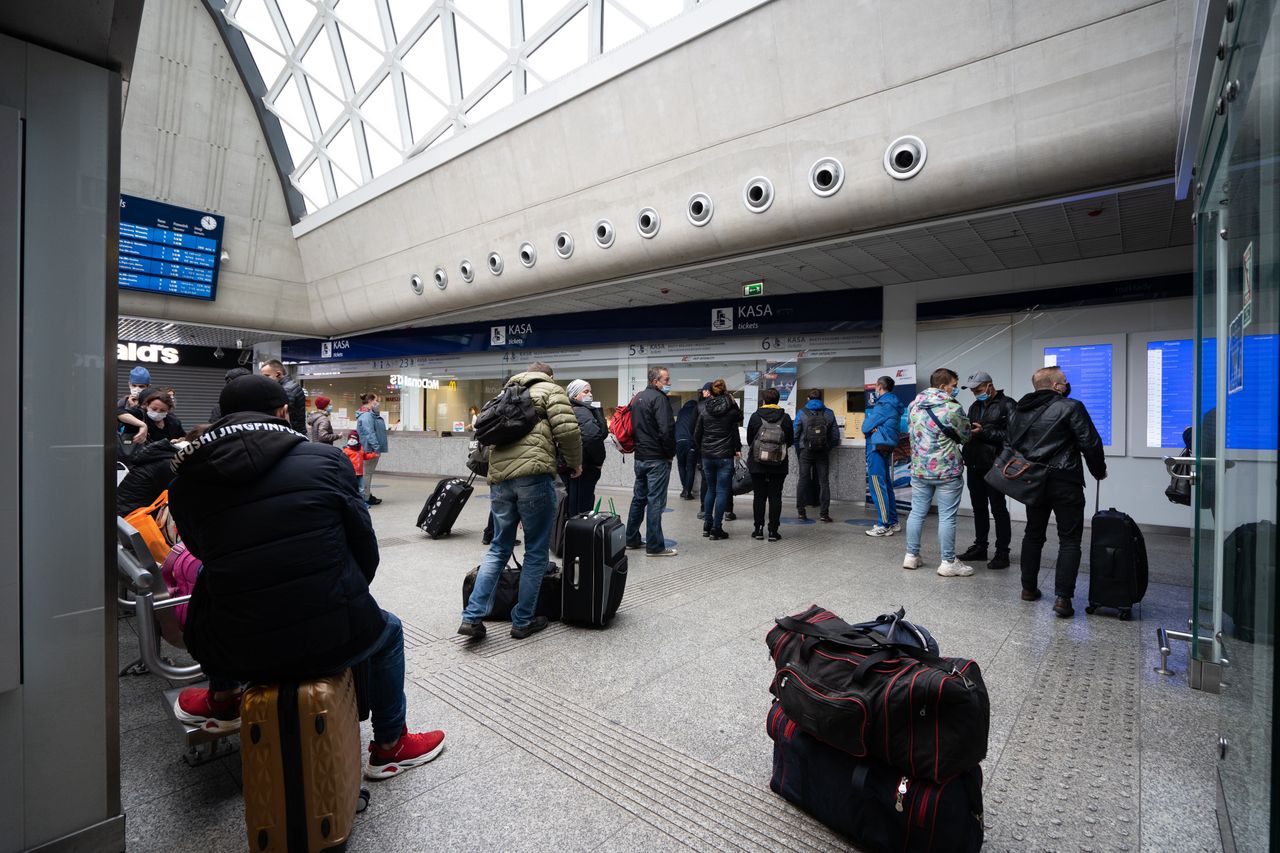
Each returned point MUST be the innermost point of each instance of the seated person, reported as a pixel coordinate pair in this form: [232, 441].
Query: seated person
[155, 410]
[288, 553]
[150, 472]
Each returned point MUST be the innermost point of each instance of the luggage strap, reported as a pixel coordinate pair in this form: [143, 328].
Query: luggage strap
[861, 639]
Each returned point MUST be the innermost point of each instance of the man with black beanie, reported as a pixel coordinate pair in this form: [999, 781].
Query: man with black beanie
[288, 552]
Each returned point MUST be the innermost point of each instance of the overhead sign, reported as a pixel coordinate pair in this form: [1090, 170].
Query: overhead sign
[399, 381]
[169, 249]
[755, 288]
[130, 352]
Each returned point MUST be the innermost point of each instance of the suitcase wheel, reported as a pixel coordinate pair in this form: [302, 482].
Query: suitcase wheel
[1091, 608]
[363, 802]
[1125, 614]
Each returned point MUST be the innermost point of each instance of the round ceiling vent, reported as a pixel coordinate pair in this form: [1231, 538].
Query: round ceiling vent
[904, 158]
[495, 263]
[699, 209]
[604, 234]
[757, 195]
[826, 177]
[648, 222]
[564, 245]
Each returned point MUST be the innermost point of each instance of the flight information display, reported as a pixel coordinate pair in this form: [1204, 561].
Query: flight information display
[1088, 367]
[1251, 412]
[169, 249]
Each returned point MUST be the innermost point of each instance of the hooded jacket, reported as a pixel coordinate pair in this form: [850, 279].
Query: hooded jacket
[594, 431]
[772, 414]
[535, 453]
[150, 470]
[881, 425]
[993, 414]
[833, 428]
[320, 428]
[934, 454]
[716, 432]
[1055, 431]
[653, 425]
[288, 552]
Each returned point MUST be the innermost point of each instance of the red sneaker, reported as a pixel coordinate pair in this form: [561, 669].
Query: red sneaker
[410, 751]
[195, 706]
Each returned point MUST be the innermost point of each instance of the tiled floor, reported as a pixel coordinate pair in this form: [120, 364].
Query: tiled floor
[650, 735]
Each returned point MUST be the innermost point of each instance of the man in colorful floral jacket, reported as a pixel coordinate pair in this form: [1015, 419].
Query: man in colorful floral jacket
[939, 428]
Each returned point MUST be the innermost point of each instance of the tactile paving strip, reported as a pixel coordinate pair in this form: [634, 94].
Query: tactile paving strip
[1067, 779]
[698, 806]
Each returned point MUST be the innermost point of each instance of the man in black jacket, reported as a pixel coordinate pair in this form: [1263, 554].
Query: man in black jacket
[686, 450]
[1049, 428]
[654, 428]
[274, 369]
[288, 553]
[989, 415]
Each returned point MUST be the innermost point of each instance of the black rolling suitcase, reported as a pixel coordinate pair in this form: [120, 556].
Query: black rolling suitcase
[1117, 561]
[442, 508]
[595, 568]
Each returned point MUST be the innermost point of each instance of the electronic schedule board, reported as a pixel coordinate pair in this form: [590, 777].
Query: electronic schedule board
[169, 249]
[1089, 369]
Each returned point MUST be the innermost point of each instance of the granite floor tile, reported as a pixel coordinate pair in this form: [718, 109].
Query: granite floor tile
[152, 766]
[196, 819]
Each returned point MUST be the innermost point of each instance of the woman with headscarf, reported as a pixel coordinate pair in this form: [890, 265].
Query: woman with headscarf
[591, 423]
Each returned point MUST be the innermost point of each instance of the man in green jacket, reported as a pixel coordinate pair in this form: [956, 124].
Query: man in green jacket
[522, 485]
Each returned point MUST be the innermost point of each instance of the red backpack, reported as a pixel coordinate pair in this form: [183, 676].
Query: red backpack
[620, 429]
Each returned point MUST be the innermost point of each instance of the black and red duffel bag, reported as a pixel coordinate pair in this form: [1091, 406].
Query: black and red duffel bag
[924, 715]
[877, 807]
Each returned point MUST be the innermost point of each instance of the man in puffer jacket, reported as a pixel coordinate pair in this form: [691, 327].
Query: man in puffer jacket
[881, 429]
[522, 485]
[938, 429]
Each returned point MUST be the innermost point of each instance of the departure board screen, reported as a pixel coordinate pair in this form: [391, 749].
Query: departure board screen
[169, 249]
[1251, 412]
[1089, 370]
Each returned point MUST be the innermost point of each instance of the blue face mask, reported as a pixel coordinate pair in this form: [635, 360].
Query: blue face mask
[955, 389]
[666, 389]
[982, 397]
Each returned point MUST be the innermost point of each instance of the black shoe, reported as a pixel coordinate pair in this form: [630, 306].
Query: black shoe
[1031, 595]
[538, 623]
[828, 519]
[773, 536]
[486, 540]
[702, 515]
[758, 533]
[1062, 606]
[635, 546]
[1000, 561]
[706, 532]
[975, 554]
[718, 533]
[801, 515]
[729, 516]
[373, 501]
[684, 496]
[474, 630]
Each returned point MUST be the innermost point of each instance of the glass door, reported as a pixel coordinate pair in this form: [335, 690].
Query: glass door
[1238, 389]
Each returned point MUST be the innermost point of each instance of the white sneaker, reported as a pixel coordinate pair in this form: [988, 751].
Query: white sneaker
[911, 561]
[879, 531]
[896, 527]
[954, 569]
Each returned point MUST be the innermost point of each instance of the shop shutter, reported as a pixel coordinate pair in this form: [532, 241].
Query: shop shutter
[197, 388]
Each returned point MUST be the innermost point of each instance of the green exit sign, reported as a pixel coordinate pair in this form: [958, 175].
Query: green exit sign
[755, 288]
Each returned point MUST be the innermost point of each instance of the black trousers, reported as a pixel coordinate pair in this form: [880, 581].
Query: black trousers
[768, 489]
[983, 496]
[815, 468]
[581, 491]
[687, 464]
[1065, 500]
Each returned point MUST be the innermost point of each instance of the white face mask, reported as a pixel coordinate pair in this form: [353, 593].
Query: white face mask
[353, 443]
[135, 390]
[156, 416]
[586, 398]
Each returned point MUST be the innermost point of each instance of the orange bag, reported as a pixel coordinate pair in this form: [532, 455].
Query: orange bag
[156, 525]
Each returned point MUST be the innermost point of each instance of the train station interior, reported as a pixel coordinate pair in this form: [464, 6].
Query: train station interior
[228, 222]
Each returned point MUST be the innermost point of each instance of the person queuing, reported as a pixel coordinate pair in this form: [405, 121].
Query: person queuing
[289, 553]
[729, 514]
[880, 427]
[133, 427]
[319, 425]
[231, 375]
[816, 433]
[373, 438]
[770, 433]
[989, 415]
[716, 436]
[1050, 428]
[274, 369]
[156, 407]
[938, 428]
[655, 446]
[686, 450]
[523, 490]
[582, 490]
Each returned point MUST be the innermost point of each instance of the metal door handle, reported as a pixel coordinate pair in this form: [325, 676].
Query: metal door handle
[1182, 467]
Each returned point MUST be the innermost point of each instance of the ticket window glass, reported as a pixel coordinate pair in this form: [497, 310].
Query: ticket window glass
[457, 401]
[345, 392]
[841, 381]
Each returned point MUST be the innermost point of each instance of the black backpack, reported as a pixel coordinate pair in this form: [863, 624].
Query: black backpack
[816, 437]
[770, 446]
[508, 417]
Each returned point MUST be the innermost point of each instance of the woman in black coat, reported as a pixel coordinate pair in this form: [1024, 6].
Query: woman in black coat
[716, 437]
[767, 477]
[591, 423]
[155, 409]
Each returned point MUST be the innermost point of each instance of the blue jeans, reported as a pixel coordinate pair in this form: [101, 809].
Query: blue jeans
[922, 491]
[532, 500]
[719, 476]
[387, 704]
[649, 495]
[880, 484]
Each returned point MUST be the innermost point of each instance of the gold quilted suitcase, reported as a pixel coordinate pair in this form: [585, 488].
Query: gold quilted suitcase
[301, 753]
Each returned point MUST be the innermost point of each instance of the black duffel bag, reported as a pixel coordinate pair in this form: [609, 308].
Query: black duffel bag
[924, 715]
[875, 806]
[507, 592]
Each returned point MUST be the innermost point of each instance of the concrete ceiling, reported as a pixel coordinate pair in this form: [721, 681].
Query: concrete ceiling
[1100, 225]
[103, 32]
[160, 332]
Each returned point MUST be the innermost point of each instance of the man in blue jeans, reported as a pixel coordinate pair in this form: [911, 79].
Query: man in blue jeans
[938, 428]
[522, 485]
[654, 427]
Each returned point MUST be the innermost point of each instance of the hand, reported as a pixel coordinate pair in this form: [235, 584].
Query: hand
[976, 427]
[577, 472]
[738, 455]
[141, 435]
[1103, 477]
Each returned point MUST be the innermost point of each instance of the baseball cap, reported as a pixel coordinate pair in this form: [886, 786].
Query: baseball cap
[978, 378]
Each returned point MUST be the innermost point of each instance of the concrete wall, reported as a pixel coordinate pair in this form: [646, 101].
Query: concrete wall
[191, 137]
[1016, 101]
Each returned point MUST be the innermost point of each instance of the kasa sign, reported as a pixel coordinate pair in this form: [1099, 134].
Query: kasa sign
[147, 353]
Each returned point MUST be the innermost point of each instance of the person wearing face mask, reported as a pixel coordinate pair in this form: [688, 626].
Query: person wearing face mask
[938, 429]
[133, 427]
[1048, 428]
[319, 427]
[150, 472]
[989, 415]
[373, 438]
[655, 434]
[156, 408]
[591, 423]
